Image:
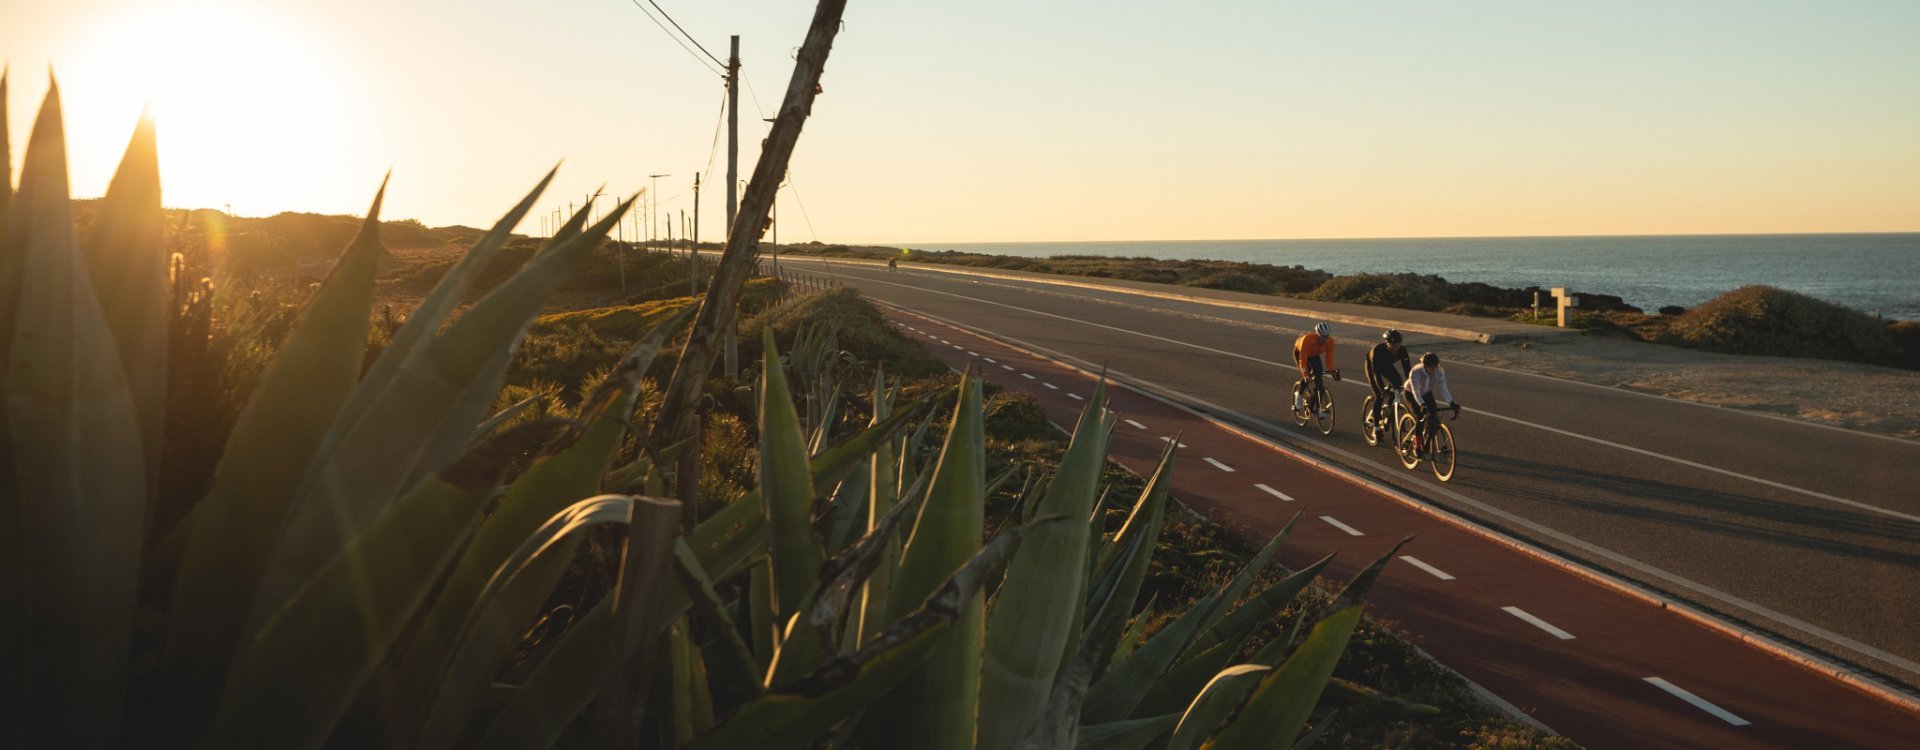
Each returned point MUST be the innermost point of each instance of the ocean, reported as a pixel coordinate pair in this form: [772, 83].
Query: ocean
[1874, 273]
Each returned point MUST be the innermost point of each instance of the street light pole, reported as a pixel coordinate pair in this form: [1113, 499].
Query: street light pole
[653, 194]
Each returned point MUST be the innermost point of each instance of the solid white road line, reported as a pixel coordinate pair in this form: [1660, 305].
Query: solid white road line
[1076, 397]
[1698, 702]
[1341, 526]
[1218, 465]
[1026, 375]
[1436, 572]
[1273, 492]
[1136, 425]
[1538, 623]
[1051, 386]
[1522, 422]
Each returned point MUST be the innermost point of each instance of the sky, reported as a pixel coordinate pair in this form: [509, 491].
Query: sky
[1001, 120]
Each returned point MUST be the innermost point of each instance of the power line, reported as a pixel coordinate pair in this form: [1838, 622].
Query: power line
[683, 32]
[676, 39]
[795, 189]
[718, 124]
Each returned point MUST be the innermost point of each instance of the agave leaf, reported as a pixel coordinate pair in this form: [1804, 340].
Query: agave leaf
[127, 262]
[410, 342]
[827, 603]
[78, 469]
[1244, 579]
[1175, 689]
[848, 510]
[348, 485]
[1121, 690]
[1214, 703]
[797, 713]
[1255, 612]
[1057, 724]
[937, 706]
[786, 487]
[1132, 734]
[1027, 630]
[370, 590]
[1286, 696]
[883, 490]
[546, 489]
[1131, 639]
[271, 445]
[506, 415]
[646, 562]
[736, 659]
[1118, 581]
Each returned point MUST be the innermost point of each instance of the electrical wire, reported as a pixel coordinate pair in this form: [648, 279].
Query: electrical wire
[718, 123]
[676, 39]
[683, 32]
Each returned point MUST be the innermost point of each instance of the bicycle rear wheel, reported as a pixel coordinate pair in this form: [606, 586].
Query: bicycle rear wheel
[1408, 456]
[1443, 453]
[1369, 427]
[1322, 406]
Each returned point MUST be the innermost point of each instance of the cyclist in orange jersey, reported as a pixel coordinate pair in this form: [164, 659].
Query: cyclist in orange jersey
[1313, 352]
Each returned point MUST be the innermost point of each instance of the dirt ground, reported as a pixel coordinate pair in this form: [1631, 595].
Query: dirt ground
[1880, 400]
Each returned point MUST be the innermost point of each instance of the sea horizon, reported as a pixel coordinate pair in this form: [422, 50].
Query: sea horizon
[1874, 272]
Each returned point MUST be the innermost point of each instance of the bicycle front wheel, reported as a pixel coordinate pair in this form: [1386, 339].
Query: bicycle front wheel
[1443, 453]
[1408, 456]
[1369, 427]
[1322, 410]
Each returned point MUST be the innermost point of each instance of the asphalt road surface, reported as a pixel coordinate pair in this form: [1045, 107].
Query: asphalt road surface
[1805, 534]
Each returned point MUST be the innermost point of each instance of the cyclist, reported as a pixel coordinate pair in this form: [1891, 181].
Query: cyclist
[1387, 366]
[1313, 352]
[1426, 383]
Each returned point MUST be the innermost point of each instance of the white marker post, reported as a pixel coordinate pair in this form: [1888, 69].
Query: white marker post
[1561, 301]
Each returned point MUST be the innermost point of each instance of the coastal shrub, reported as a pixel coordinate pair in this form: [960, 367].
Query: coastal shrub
[1762, 319]
[1404, 290]
[1487, 295]
[1234, 282]
[1673, 310]
[1906, 337]
[857, 325]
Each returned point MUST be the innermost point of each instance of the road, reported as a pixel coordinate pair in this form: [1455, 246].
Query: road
[1804, 534]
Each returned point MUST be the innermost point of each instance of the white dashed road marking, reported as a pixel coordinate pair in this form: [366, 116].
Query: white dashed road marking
[1698, 702]
[1538, 623]
[1136, 425]
[991, 360]
[1217, 464]
[1436, 572]
[1076, 397]
[1341, 526]
[1273, 492]
[1051, 386]
[972, 353]
[1165, 439]
[1026, 375]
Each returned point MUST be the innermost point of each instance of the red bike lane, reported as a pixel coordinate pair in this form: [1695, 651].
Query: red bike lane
[1592, 661]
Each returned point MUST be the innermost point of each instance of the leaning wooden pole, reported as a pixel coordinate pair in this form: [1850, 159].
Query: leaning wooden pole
[719, 310]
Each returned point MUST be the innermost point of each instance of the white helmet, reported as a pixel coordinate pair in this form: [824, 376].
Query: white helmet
[1323, 329]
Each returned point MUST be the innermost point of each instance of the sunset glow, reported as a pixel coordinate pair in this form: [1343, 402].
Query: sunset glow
[251, 113]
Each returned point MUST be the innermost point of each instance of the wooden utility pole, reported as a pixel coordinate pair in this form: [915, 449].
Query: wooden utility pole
[720, 307]
[696, 210]
[733, 129]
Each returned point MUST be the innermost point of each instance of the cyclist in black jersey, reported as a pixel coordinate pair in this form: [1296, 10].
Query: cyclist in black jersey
[1387, 367]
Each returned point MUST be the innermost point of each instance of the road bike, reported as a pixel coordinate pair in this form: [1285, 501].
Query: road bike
[1317, 407]
[1436, 447]
[1386, 429]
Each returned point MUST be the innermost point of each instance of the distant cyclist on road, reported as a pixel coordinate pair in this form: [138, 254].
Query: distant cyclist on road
[1387, 367]
[1427, 384]
[1313, 352]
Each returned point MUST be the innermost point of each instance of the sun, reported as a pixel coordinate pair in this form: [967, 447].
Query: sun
[251, 111]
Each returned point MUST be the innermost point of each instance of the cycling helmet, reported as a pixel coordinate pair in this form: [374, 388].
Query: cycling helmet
[1323, 329]
[1392, 335]
[1430, 359]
